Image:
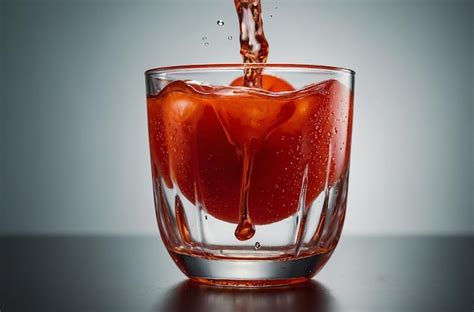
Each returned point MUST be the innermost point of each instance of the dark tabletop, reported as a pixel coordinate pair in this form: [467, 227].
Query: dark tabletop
[136, 274]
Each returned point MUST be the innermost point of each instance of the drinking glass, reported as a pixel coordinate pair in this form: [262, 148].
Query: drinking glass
[250, 185]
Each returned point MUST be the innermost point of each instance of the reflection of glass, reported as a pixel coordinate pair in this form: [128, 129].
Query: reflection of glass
[310, 296]
[250, 185]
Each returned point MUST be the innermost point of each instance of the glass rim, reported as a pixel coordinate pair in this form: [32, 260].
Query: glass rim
[240, 66]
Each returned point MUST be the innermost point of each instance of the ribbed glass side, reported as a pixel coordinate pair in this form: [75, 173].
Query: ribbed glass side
[187, 228]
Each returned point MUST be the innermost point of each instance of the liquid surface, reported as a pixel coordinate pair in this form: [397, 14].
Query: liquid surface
[243, 153]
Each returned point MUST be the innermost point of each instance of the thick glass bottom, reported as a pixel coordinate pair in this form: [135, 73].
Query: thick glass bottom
[250, 272]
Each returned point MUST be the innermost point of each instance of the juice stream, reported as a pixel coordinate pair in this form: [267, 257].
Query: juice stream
[254, 49]
[253, 44]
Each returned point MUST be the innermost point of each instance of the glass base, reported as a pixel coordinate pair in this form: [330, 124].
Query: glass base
[250, 272]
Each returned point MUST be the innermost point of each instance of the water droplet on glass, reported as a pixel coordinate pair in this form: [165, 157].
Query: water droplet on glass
[229, 37]
[206, 43]
[220, 23]
[257, 245]
[204, 38]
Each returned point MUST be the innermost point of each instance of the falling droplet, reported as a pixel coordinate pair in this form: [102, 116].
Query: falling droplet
[205, 217]
[204, 38]
[276, 8]
[220, 23]
[245, 229]
[206, 43]
[229, 38]
[271, 15]
[257, 245]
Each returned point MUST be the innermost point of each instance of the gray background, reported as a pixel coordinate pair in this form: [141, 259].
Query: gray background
[74, 151]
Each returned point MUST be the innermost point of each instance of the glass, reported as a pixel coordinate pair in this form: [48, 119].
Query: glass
[250, 185]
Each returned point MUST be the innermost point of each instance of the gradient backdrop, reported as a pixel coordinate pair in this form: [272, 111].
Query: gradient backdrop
[74, 147]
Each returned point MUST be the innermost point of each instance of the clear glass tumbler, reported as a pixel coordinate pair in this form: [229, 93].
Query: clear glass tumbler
[250, 185]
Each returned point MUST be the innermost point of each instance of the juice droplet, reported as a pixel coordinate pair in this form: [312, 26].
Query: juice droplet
[245, 230]
[220, 23]
[257, 245]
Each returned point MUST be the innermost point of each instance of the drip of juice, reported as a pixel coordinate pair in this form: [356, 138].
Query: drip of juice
[247, 149]
[253, 44]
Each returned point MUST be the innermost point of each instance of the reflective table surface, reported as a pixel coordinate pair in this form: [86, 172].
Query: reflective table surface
[136, 274]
